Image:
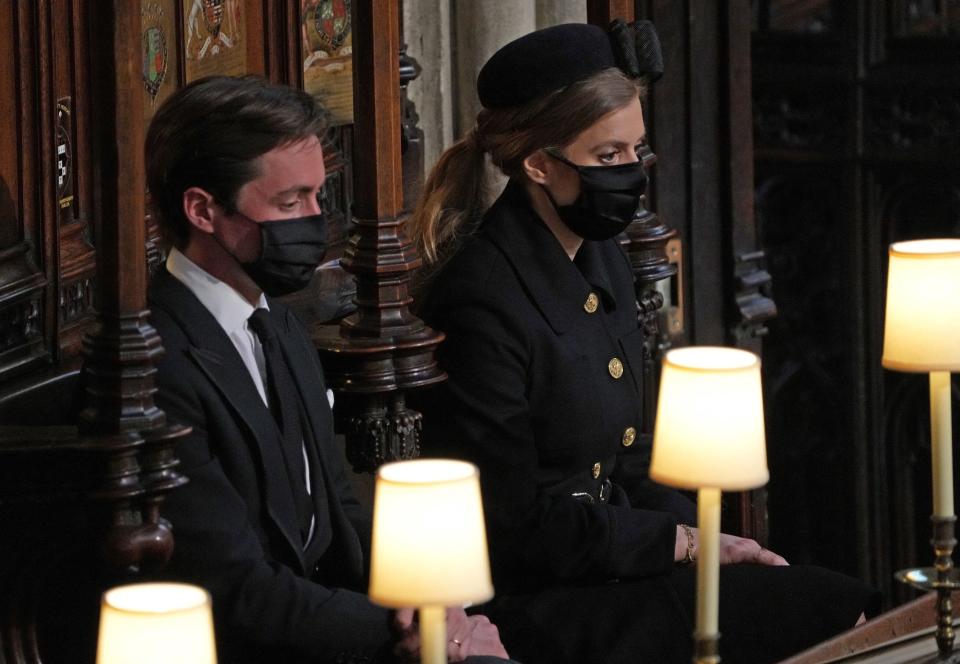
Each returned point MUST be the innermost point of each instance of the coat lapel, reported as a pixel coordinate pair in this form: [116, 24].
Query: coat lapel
[217, 358]
[554, 283]
[557, 285]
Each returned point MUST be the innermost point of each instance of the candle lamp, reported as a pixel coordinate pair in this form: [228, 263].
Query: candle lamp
[921, 329]
[709, 436]
[156, 623]
[429, 546]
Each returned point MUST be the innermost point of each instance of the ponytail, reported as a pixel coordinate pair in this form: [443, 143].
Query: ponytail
[451, 202]
[455, 195]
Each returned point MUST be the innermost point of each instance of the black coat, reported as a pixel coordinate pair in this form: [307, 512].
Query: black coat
[544, 395]
[236, 532]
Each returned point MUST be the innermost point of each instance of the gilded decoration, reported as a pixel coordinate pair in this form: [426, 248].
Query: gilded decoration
[215, 34]
[327, 43]
[64, 171]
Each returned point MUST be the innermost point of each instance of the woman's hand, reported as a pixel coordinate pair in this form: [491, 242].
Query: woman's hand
[733, 549]
[466, 636]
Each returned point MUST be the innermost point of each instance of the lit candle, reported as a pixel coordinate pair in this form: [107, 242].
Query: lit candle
[708, 562]
[429, 544]
[709, 436]
[941, 438]
[433, 634]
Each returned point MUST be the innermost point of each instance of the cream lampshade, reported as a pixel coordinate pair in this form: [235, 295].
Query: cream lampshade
[922, 334]
[429, 543]
[709, 430]
[709, 436]
[922, 325]
[156, 623]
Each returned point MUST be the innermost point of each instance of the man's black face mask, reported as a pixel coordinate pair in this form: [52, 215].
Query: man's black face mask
[290, 251]
[608, 201]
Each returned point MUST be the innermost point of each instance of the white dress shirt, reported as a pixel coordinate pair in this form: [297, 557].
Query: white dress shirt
[232, 311]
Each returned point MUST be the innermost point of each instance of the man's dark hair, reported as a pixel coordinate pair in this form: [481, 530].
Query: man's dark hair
[209, 134]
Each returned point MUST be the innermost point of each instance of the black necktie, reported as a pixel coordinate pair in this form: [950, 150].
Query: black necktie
[285, 406]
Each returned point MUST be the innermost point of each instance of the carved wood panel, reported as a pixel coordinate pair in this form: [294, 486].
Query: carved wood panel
[807, 372]
[699, 125]
[27, 280]
[857, 124]
[76, 284]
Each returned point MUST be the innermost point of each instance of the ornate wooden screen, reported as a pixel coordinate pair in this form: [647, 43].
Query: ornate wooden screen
[857, 126]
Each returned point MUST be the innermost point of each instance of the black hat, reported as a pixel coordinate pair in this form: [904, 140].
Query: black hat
[553, 58]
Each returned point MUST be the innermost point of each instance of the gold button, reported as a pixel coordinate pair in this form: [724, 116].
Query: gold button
[590, 306]
[615, 367]
[596, 470]
[629, 435]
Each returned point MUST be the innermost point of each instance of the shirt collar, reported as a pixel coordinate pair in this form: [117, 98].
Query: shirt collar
[225, 304]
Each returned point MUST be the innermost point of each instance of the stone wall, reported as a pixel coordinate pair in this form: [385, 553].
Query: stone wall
[451, 39]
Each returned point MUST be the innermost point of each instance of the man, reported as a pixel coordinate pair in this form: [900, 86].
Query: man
[267, 522]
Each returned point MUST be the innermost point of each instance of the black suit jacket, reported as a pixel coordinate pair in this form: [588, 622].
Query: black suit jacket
[531, 399]
[235, 528]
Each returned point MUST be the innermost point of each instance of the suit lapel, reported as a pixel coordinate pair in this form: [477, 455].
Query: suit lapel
[217, 358]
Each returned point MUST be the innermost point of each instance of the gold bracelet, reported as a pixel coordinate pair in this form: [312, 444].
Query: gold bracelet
[689, 558]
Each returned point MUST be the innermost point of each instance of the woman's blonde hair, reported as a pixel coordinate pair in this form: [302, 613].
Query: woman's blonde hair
[454, 196]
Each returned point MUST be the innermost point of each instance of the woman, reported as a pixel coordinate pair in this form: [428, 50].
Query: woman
[544, 355]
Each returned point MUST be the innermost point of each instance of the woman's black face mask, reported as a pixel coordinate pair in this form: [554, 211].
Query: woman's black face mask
[290, 251]
[609, 198]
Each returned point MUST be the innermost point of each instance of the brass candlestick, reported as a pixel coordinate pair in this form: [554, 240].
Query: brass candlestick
[706, 648]
[943, 578]
[922, 319]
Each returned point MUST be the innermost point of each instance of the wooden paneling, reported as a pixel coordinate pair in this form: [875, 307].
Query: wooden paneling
[52, 213]
[699, 126]
[76, 274]
[857, 129]
[27, 249]
[602, 12]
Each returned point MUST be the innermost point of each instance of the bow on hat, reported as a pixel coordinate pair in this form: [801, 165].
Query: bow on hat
[636, 47]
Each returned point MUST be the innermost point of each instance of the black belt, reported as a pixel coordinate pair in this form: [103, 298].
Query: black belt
[602, 494]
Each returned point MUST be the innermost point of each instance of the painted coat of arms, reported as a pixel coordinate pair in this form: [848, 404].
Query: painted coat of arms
[159, 66]
[154, 59]
[211, 27]
[214, 32]
[328, 55]
[332, 22]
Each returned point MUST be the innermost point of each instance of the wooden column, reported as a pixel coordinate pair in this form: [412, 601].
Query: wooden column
[119, 414]
[79, 504]
[382, 350]
[119, 354]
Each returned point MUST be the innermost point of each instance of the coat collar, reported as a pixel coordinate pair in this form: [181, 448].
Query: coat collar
[558, 286]
[217, 358]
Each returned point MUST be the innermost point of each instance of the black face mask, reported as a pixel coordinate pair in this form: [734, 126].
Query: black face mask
[290, 251]
[608, 201]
